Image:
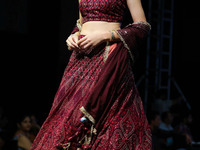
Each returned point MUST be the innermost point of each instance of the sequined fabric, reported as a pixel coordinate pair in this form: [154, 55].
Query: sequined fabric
[102, 10]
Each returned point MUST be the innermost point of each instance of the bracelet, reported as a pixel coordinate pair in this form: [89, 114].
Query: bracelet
[112, 36]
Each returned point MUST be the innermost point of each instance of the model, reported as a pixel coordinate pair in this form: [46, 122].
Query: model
[97, 105]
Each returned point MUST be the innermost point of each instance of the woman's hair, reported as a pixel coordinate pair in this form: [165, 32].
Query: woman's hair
[21, 117]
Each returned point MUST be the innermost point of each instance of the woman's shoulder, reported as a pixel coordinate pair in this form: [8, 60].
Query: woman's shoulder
[23, 138]
[17, 135]
[20, 136]
[24, 142]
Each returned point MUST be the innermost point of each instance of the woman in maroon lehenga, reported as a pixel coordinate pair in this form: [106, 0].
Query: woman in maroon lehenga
[97, 105]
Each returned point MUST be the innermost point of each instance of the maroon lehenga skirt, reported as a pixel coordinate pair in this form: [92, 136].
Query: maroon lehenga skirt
[124, 124]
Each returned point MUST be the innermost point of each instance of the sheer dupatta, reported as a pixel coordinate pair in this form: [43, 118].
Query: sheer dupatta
[107, 87]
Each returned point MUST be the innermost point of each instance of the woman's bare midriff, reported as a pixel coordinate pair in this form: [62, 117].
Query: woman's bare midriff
[98, 26]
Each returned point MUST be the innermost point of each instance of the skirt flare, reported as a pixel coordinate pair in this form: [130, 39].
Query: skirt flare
[124, 127]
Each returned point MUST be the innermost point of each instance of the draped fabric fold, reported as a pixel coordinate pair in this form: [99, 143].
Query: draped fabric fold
[106, 88]
[114, 80]
[133, 34]
[114, 71]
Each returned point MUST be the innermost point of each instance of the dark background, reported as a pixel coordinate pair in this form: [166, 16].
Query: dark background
[34, 53]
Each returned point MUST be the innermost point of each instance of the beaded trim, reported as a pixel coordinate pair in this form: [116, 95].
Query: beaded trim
[82, 109]
[88, 138]
[106, 52]
[121, 38]
[142, 22]
[125, 45]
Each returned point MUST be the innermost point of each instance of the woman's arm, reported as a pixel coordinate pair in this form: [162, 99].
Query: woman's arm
[73, 38]
[137, 14]
[134, 33]
[24, 142]
[136, 10]
[138, 30]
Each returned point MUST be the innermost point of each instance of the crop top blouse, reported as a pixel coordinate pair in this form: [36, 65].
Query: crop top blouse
[102, 10]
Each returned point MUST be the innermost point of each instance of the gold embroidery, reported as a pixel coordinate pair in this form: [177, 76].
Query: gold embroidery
[66, 146]
[125, 45]
[82, 109]
[106, 52]
[142, 22]
[88, 137]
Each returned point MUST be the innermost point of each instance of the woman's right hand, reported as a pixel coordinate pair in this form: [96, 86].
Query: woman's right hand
[72, 42]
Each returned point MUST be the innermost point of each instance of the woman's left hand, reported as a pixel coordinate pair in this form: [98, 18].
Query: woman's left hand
[92, 40]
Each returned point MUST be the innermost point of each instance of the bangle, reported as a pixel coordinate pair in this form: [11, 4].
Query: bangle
[112, 36]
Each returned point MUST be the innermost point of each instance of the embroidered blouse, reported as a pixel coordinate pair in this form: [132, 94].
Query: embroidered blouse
[102, 10]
